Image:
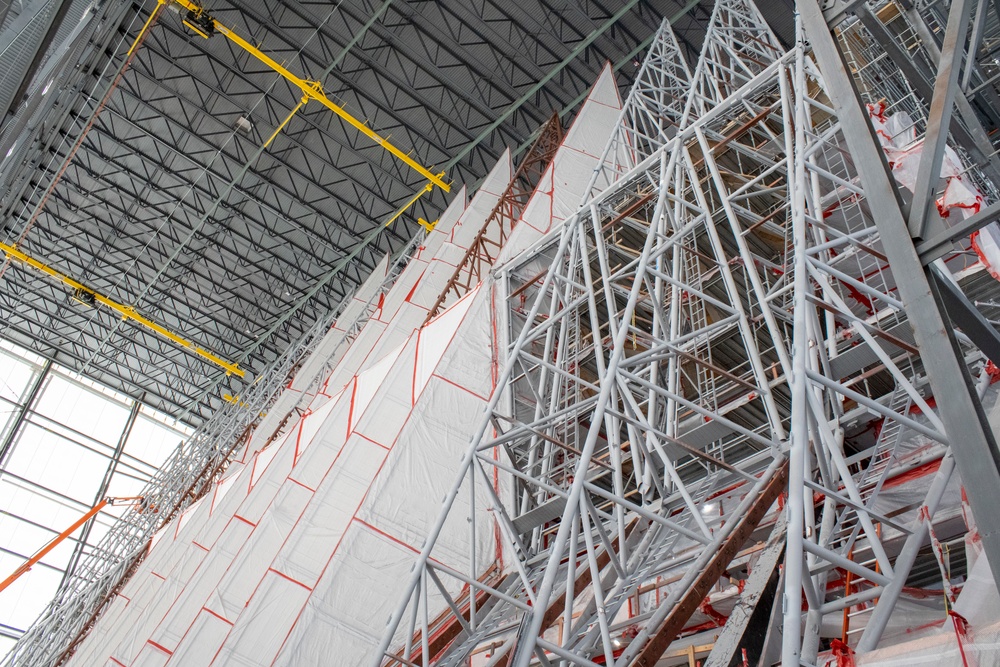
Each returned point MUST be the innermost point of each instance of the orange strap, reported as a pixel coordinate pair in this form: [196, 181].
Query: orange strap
[27, 565]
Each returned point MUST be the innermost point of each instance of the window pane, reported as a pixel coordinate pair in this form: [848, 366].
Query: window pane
[55, 469]
[82, 409]
[16, 375]
[25, 599]
[151, 442]
[57, 463]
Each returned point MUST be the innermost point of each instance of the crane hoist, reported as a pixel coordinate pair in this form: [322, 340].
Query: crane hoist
[91, 298]
[199, 21]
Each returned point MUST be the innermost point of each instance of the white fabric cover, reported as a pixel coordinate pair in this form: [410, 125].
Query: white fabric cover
[236, 585]
[986, 244]
[400, 313]
[982, 649]
[295, 557]
[330, 348]
[563, 186]
[408, 303]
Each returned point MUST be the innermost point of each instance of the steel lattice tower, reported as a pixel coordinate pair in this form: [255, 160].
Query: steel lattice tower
[705, 327]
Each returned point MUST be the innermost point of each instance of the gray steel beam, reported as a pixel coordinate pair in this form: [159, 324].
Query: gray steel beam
[5, 6]
[942, 243]
[22, 413]
[102, 490]
[31, 30]
[939, 117]
[41, 48]
[25, 131]
[975, 39]
[966, 316]
[968, 114]
[973, 139]
[761, 588]
[10, 632]
[969, 434]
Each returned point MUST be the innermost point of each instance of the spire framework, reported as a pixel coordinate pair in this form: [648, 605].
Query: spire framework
[712, 329]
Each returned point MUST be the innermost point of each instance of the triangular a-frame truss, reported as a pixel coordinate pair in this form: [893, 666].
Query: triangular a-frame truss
[738, 46]
[654, 107]
[713, 363]
[697, 340]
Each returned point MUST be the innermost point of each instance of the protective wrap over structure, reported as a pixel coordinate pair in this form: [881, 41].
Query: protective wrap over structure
[295, 556]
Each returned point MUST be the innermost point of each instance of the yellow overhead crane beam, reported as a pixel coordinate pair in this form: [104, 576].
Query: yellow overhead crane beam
[204, 24]
[201, 22]
[88, 296]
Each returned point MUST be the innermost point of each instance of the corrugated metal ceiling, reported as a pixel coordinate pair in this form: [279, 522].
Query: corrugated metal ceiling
[166, 206]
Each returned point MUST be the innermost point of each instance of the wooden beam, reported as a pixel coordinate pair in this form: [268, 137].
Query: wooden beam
[675, 621]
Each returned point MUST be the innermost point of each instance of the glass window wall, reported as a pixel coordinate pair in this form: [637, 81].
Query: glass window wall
[66, 442]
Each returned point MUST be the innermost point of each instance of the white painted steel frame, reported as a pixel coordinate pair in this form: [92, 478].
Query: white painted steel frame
[728, 279]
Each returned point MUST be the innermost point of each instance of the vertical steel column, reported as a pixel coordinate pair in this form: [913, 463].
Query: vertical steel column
[968, 432]
[798, 454]
[939, 118]
[22, 413]
[978, 23]
[973, 139]
[102, 490]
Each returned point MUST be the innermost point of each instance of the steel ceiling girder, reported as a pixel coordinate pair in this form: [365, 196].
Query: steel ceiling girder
[295, 210]
[276, 112]
[414, 71]
[317, 190]
[106, 279]
[70, 341]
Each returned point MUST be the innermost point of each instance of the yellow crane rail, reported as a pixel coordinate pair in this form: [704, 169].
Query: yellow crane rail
[86, 295]
[205, 25]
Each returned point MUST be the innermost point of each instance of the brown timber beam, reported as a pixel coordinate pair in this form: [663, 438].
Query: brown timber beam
[692, 598]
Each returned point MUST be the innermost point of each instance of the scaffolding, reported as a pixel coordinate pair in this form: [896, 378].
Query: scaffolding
[280, 399]
[249, 421]
[704, 333]
[720, 359]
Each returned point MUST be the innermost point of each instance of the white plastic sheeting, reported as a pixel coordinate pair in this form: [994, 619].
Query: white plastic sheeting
[563, 186]
[897, 135]
[283, 541]
[403, 309]
[986, 244]
[980, 649]
[968, 638]
[321, 525]
[330, 349]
